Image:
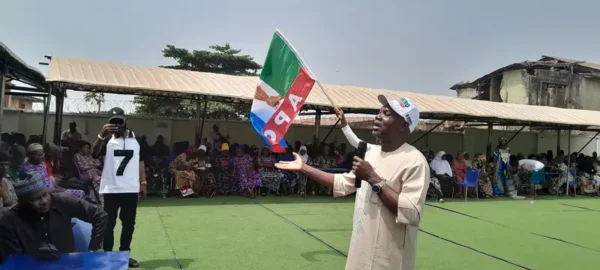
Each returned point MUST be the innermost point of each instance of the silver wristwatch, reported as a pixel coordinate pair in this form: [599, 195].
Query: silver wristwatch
[378, 187]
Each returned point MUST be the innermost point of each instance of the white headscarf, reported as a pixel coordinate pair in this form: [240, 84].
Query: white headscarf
[305, 156]
[439, 165]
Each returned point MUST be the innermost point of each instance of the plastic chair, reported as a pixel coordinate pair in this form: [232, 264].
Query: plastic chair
[82, 234]
[471, 180]
[573, 184]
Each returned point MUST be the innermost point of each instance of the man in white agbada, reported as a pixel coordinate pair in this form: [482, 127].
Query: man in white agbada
[389, 204]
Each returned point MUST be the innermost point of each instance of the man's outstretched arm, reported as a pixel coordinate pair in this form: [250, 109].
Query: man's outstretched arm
[323, 178]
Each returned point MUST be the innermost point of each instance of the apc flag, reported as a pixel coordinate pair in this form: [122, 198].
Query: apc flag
[284, 84]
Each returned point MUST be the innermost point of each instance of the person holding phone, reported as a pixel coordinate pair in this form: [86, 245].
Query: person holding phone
[123, 178]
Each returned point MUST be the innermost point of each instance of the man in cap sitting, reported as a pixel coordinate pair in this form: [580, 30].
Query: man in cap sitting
[40, 223]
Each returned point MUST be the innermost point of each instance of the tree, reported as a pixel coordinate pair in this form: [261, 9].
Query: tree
[220, 59]
[95, 98]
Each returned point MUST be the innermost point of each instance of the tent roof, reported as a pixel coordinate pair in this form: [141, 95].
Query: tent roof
[18, 69]
[89, 75]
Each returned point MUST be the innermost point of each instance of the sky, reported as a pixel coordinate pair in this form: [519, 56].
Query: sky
[417, 46]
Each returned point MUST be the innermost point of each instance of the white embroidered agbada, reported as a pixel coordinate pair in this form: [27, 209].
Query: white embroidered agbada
[380, 240]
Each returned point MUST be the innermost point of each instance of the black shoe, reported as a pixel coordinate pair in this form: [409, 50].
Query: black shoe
[133, 263]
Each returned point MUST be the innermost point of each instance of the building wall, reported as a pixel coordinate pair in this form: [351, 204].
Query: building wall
[513, 88]
[174, 130]
[16, 102]
[589, 94]
[467, 93]
[521, 88]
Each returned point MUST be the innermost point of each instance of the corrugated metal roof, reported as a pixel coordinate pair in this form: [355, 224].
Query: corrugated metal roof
[19, 69]
[590, 65]
[88, 75]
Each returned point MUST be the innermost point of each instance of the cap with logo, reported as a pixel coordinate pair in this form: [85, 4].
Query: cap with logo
[116, 113]
[403, 107]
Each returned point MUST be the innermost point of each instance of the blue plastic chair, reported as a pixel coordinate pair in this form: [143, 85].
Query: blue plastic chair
[82, 234]
[537, 177]
[471, 180]
[73, 261]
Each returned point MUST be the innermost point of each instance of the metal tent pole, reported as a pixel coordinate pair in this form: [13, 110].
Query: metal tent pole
[47, 101]
[569, 161]
[3, 74]
[488, 150]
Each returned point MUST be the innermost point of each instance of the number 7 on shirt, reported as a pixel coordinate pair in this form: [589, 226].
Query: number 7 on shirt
[127, 155]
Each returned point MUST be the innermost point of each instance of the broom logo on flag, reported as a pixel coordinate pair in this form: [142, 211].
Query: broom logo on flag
[285, 82]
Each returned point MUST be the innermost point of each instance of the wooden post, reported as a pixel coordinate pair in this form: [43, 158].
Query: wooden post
[3, 74]
[47, 101]
[317, 124]
[569, 162]
[199, 134]
[557, 141]
[488, 150]
[58, 116]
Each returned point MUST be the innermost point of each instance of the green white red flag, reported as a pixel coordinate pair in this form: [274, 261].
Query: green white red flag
[285, 82]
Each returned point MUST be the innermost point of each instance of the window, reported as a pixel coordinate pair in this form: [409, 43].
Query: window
[552, 94]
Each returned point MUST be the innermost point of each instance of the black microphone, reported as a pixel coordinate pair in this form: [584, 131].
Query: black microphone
[360, 152]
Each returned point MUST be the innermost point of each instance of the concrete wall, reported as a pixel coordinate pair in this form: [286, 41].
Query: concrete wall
[521, 88]
[468, 93]
[472, 140]
[513, 88]
[589, 94]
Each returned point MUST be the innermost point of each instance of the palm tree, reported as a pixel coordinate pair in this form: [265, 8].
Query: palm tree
[94, 97]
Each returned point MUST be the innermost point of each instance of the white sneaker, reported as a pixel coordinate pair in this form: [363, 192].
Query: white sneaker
[441, 200]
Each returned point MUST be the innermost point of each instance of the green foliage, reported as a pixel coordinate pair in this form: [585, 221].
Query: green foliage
[220, 59]
[95, 98]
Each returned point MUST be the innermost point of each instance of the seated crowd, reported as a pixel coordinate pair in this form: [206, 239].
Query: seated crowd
[537, 174]
[214, 168]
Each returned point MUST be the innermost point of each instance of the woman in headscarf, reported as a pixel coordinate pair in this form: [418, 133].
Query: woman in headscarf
[35, 165]
[460, 168]
[223, 169]
[303, 179]
[247, 175]
[89, 167]
[206, 180]
[485, 179]
[8, 197]
[271, 178]
[440, 166]
[501, 156]
[443, 172]
[183, 168]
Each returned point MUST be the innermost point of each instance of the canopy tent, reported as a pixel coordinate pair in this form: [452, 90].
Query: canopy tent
[13, 68]
[109, 77]
[101, 76]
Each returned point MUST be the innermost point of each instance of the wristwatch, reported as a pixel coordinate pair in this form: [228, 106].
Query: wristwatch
[378, 187]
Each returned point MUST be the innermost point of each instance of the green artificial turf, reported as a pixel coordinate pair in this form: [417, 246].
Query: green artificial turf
[275, 233]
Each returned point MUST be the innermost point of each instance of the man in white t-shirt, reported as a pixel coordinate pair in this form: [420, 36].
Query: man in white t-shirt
[123, 178]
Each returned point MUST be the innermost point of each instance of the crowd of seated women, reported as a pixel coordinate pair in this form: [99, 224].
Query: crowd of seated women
[554, 177]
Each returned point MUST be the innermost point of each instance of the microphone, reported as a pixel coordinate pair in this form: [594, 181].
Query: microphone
[360, 152]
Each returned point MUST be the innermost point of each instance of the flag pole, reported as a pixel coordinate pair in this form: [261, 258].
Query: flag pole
[326, 94]
[307, 68]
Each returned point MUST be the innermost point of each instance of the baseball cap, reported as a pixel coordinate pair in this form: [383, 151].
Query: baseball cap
[403, 107]
[116, 113]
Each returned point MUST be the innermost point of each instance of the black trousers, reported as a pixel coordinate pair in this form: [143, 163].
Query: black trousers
[127, 202]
